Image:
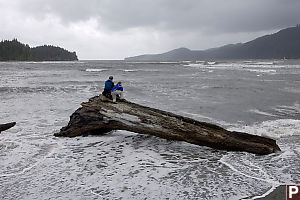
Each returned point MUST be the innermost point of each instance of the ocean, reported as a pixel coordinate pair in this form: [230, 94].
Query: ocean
[253, 96]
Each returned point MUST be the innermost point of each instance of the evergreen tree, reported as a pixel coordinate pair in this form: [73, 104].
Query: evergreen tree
[16, 51]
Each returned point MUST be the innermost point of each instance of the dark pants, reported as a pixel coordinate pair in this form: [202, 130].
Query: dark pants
[107, 93]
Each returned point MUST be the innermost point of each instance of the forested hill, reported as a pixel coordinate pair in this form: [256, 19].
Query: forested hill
[283, 44]
[17, 51]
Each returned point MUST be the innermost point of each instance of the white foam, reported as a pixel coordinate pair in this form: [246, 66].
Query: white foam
[263, 70]
[124, 164]
[153, 62]
[249, 166]
[210, 63]
[261, 63]
[288, 110]
[256, 172]
[130, 70]
[273, 129]
[95, 70]
[196, 65]
[56, 62]
[38, 162]
[274, 186]
[262, 112]
[292, 89]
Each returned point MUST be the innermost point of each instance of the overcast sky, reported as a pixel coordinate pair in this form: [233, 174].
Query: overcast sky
[115, 29]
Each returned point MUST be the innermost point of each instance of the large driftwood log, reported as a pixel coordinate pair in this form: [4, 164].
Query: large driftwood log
[100, 116]
[4, 127]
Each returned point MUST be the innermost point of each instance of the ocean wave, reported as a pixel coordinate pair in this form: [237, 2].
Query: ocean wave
[54, 62]
[290, 110]
[27, 89]
[262, 70]
[140, 70]
[291, 89]
[262, 112]
[256, 62]
[273, 128]
[155, 62]
[261, 63]
[235, 66]
[46, 89]
[202, 64]
[246, 168]
[210, 63]
[95, 70]
[196, 65]
[130, 70]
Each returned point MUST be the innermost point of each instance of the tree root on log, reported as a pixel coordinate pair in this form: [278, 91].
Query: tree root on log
[99, 116]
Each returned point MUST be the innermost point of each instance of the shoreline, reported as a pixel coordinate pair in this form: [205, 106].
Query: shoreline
[276, 192]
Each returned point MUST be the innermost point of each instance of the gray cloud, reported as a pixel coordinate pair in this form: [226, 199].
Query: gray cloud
[143, 26]
[212, 15]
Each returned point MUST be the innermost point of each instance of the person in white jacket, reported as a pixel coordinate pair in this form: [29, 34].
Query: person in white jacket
[117, 90]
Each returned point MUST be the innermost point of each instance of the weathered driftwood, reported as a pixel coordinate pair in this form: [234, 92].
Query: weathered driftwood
[99, 116]
[4, 127]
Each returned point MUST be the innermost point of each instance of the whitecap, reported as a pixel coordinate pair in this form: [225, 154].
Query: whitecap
[210, 63]
[196, 65]
[153, 62]
[261, 63]
[262, 112]
[56, 62]
[293, 110]
[291, 89]
[130, 70]
[262, 70]
[273, 128]
[95, 70]
[247, 167]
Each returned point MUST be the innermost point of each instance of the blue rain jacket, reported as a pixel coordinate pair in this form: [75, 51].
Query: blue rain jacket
[117, 87]
[108, 84]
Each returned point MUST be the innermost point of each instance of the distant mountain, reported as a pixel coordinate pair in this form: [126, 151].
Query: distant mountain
[283, 44]
[16, 51]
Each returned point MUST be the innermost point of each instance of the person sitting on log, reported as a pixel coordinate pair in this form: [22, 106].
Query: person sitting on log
[117, 90]
[109, 84]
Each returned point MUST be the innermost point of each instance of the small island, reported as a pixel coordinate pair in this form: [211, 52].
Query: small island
[16, 51]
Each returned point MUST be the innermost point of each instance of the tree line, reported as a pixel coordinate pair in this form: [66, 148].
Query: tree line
[16, 51]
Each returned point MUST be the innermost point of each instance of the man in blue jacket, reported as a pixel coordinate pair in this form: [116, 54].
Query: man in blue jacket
[109, 84]
[117, 90]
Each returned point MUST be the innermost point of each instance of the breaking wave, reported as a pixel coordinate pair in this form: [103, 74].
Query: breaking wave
[273, 128]
[95, 70]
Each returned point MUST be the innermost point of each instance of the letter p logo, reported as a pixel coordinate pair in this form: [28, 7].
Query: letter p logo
[293, 192]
